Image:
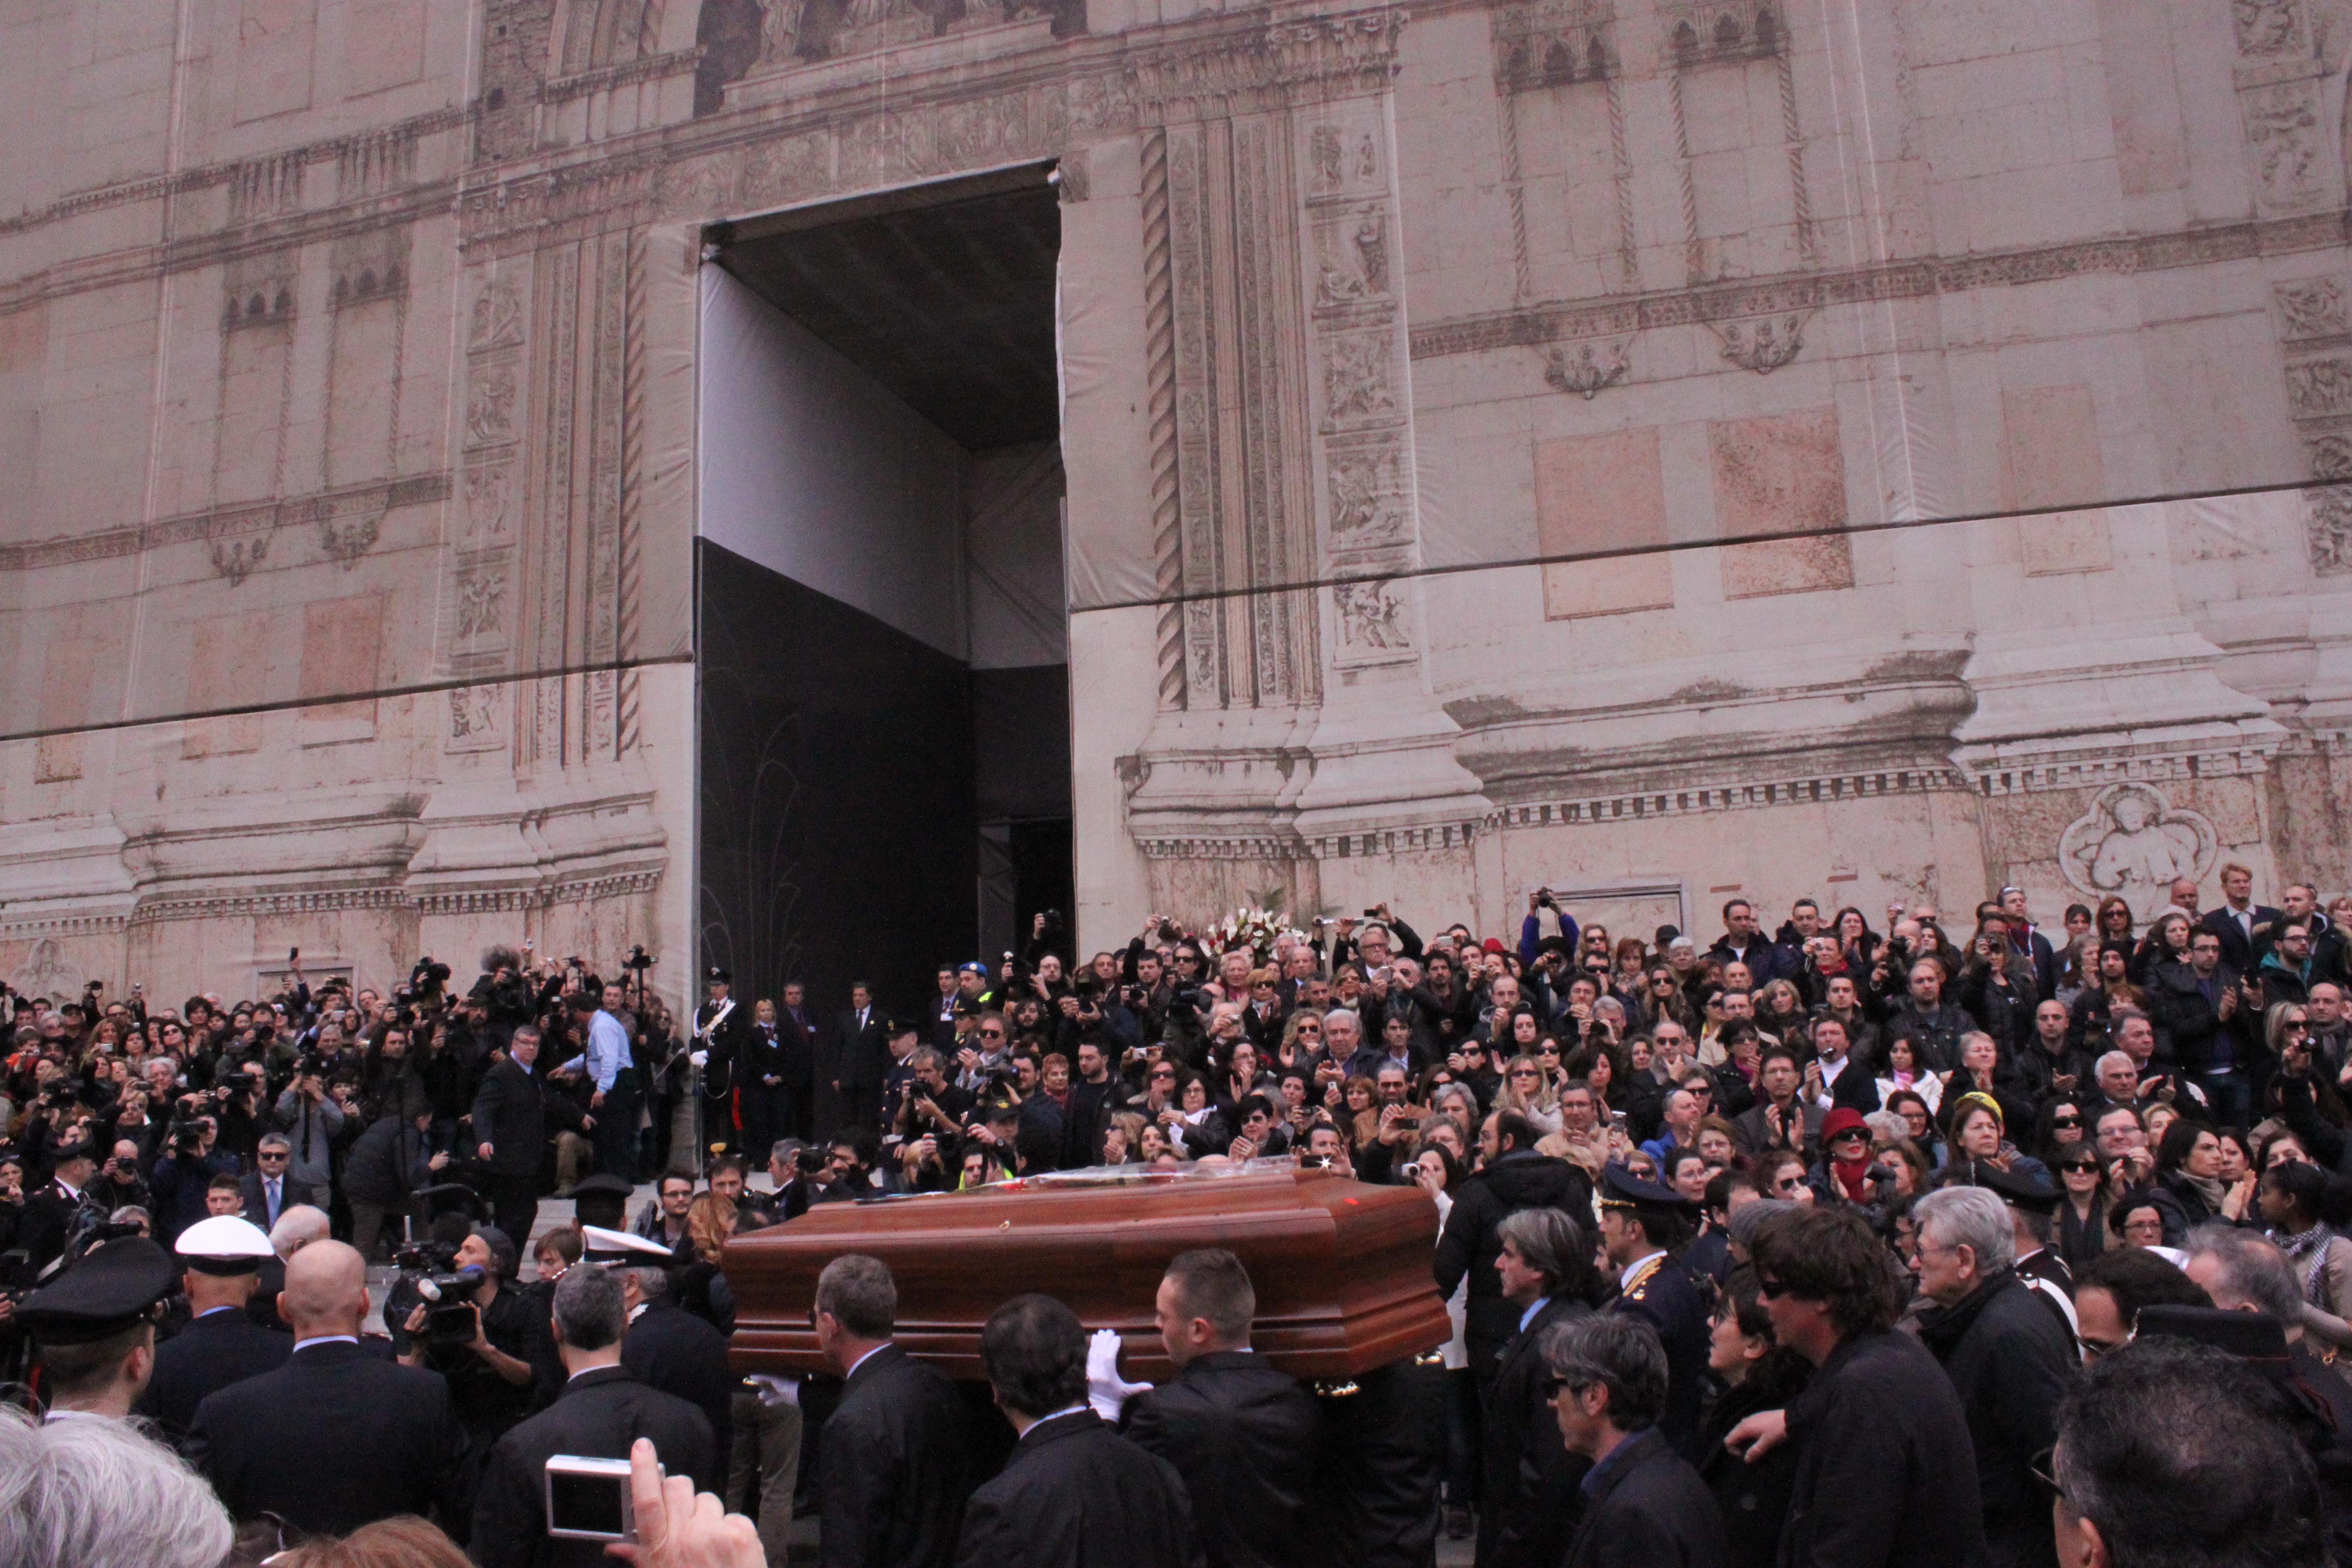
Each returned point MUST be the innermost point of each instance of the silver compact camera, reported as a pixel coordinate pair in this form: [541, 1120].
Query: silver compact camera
[589, 1499]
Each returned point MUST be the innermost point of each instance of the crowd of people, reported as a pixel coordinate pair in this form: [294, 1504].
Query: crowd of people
[1840, 1242]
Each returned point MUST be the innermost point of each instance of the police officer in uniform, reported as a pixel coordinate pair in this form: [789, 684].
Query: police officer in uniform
[222, 1344]
[94, 1326]
[1643, 1227]
[720, 1027]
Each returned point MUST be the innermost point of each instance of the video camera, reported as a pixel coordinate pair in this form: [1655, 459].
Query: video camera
[639, 959]
[428, 977]
[448, 1291]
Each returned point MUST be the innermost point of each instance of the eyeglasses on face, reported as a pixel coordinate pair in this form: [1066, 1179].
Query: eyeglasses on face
[2090, 1166]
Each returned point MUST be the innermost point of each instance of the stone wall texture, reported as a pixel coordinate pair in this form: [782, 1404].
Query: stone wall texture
[1650, 447]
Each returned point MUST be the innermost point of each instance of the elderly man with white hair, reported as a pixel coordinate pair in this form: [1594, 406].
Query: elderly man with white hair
[2007, 1354]
[63, 1490]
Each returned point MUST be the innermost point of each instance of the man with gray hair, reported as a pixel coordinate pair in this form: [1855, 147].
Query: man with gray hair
[2242, 1272]
[1527, 1498]
[600, 1411]
[78, 1493]
[2009, 1358]
[1644, 1507]
[892, 1473]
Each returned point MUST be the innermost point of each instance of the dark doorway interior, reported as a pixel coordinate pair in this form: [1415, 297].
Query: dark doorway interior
[878, 795]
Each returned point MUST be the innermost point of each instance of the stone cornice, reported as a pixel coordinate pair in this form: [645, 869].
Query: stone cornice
[645, 68]
[219, 523]
[1916, 277]
[154, 187]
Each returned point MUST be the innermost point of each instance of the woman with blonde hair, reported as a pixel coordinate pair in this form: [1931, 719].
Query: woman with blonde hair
[1529, 1090]
[700, 1286]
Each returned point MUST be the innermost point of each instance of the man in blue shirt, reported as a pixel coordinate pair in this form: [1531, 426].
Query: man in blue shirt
[1644, 1506]
[612, 1081]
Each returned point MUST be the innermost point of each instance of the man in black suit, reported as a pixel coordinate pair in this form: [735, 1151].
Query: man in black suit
[267, 1191]
[512, 1111]
[892, 1465]
[666, 1346]
[335, 1438]
[221, 1345]
[2239, 919]
[602, 1411]
[797, 1040]
[1075, 1494]
[1646, 1507]
[1240, 1434]
[862, 1059]
[1528, 1500]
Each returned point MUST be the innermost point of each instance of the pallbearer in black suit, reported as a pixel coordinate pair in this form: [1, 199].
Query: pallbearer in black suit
[893, 1467]
[1075, 1494]
[336, 1438]
[94, 1327]
[602, 1411]
[665, 1346]
[1643, 1226]
[1241, 1434]
[1644, 1506]
[221, 1345]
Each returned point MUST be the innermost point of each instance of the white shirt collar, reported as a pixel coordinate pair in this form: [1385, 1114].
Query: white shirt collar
[302, 1345]
[638, 1310]
[1077, 1409]
[861, 1360]
[1625, 1276]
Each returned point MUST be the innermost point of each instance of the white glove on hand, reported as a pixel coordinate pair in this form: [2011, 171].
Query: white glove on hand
[1105, 1390]
[775, 1392]
[700, 1059]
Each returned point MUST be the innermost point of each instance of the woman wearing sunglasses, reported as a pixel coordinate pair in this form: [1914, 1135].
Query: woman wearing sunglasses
[2081, 1229]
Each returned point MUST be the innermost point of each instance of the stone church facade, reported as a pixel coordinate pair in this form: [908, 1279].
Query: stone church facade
[1651, 449]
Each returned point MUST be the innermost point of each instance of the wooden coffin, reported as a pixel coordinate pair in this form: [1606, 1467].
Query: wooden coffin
[1342, 1270]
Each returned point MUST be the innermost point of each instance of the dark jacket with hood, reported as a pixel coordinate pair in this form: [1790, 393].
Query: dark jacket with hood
[1522, 1179]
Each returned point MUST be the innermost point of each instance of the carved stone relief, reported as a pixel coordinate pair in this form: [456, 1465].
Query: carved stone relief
[2282, 127]
[1589, 367]
[2132, 843]
[476, 719]
[1765, 344]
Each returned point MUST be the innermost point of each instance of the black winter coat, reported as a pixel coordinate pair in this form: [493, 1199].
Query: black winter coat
[1753, 1498]
[1650, 1510]
[2011, 1361]
[1076, 1494]
[1885, 1475]
[1527, 1501]
[1242, 1436]
[1470, 1245]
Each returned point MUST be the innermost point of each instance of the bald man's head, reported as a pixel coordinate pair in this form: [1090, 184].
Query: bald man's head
[326, 1291]
[296, 1228]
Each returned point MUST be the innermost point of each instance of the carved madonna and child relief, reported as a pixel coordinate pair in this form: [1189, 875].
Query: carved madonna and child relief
[2133, 843]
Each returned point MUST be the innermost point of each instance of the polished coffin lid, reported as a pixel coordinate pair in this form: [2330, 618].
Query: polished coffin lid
[1342, 1270]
